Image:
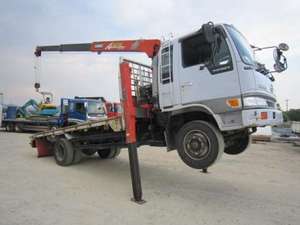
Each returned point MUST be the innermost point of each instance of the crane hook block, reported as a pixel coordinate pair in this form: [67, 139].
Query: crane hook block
[37, 86]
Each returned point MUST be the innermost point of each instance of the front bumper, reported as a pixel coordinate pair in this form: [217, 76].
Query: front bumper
[261, 117]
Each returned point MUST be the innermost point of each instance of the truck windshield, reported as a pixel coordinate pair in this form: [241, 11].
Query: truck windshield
[242, 45]
[95, 109]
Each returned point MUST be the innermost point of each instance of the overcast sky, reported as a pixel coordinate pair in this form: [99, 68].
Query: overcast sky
[25, 24]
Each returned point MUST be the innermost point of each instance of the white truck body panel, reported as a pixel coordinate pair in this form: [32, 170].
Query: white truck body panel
[296, 126]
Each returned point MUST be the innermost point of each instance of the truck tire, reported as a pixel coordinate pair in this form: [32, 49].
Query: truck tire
[77, 157]
[10, 127]
[18, 129]
[199, 144]
[109, 153]
[89, 152]
[239, 146]
[63, 152]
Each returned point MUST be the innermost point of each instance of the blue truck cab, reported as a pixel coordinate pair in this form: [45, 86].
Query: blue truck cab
[77, 110]
[71, 112]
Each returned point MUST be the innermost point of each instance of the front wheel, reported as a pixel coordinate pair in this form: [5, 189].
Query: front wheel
[199, 144]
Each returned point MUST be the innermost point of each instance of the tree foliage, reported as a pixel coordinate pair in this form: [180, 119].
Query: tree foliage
[292, 115]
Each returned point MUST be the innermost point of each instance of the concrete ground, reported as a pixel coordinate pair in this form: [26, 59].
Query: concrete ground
[261, 186]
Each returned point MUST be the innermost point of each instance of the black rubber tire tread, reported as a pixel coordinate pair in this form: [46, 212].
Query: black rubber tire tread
[68, 152]
[18, 129]
[216, 142]
[10, 127]
[241, 145]
[88, 152]
[77, 156]
[109, 153]
[13, 127]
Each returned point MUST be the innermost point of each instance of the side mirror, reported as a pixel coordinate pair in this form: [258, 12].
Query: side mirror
[280, 60]
[283, 47]
[37, 86]
[208, 32]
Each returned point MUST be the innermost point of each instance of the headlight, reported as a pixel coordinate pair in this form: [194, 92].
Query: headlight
[255, 101]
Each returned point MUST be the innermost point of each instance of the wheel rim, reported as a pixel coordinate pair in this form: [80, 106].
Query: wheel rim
[60, 152]
[196, 144]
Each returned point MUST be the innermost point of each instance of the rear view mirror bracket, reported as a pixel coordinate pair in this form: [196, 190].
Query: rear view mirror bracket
[208, 30]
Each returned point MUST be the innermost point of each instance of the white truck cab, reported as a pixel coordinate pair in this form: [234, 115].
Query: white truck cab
[213, 71]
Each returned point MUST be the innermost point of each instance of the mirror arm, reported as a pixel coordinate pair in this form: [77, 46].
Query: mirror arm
[263, 48]
[271, 77]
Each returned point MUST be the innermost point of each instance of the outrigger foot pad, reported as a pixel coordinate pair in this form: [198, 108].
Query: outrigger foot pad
[204, 170]
[140, 202]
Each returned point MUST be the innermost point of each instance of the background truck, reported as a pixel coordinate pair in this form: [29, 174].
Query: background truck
[39, 117]
[204, 93]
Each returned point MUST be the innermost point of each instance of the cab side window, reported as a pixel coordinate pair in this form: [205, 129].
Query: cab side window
[195, 50]
[79, 107]
[167, 65]
[221, 54]
[217, 57]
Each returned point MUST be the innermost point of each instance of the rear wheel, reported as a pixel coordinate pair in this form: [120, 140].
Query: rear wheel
[10, 127]
[109, 153]
[77, 156]
[18, 129]
[239, 145]
[89, 152]
[63, 152]
[199, 144]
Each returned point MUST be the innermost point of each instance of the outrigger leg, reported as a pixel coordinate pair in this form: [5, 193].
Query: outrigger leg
[135, 174]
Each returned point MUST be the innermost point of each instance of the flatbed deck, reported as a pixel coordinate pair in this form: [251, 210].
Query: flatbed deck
[115, 123]
[38, 124]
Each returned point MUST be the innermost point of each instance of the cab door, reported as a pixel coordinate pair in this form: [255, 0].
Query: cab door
[166, 98]
[207, 77]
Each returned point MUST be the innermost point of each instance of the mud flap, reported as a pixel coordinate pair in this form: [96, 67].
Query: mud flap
[44, 148]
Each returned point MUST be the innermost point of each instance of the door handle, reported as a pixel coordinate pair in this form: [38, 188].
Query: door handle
[186, 84]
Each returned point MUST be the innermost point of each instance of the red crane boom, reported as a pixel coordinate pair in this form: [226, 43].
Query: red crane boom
[148, 46]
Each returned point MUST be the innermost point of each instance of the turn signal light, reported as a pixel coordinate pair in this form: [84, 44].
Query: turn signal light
[264, 115]
[234, 102]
